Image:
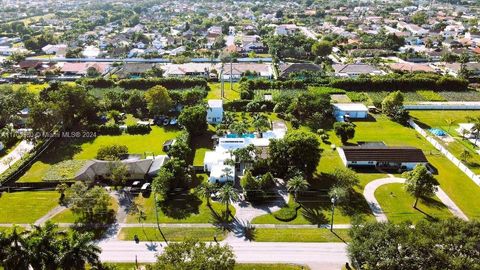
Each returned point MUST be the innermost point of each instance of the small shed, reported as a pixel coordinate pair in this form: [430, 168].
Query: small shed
[350, 110]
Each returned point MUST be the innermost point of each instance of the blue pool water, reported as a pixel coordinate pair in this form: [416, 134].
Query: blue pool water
[246, 135]
[437, 131]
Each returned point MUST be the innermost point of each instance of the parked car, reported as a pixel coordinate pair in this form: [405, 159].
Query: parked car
[166, 122]
[173, 121]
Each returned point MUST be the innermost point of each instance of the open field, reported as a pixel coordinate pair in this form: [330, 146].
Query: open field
[26, 207]
[398, 205]
[172, 234]
[238, 266]
[230, 94]
[83, 149]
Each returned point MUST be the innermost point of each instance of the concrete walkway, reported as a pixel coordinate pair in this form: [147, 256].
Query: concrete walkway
[55, 211]
[16, 154]
[369, 194]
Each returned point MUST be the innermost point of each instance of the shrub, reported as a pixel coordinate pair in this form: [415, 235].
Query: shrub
[358, 96]
[112, 152]
[99, 82]
[138, 129]
[287, 213]
[169, 83]
[111, 129]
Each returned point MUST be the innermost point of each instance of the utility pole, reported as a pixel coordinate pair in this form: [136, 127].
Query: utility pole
[231, 72]
[222, 84]
[334, 201]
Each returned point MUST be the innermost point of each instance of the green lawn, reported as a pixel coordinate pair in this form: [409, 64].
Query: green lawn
[26, 207]
[461, 189]
[201, 144]
[172, 234]
[83, 149]
[436, 119]
[300, 235]
[230, 94]
[238, 266]
[398, 205]
[67, 216]
[179, 209]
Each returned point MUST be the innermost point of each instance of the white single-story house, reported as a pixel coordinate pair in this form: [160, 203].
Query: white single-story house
[350, 110]
[381, 156]
[215, 161]
[215, 111]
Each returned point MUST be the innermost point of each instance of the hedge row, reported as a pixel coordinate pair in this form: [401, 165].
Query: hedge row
[114, 129]
[144, 84]
[264, 84]
[406, 84]
[249, 105]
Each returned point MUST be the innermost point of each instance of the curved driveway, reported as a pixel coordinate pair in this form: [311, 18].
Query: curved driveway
[369, 194]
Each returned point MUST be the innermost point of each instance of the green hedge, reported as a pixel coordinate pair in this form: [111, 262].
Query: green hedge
[138, 129]
[169, 83]
[287, 213]
[249, 105]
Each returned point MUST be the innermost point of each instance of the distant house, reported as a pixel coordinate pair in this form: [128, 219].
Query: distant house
[188, 69]
[378, 155]
[343, 111]
[455, 68]
[287, 68]
[132, 70]
[354, 70]
[236, 71]
[81, 69]
[58, 49]
[215, 111]
[138, 169]
[411, 67]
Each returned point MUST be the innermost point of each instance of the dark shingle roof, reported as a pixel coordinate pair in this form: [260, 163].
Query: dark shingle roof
[384, 154]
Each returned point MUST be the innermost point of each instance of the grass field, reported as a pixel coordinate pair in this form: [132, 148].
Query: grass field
[83, 149]
[172, 234]
[300, 235]
[26, 207]
[238, 266]
[67, 216]
[461, 189]
[230, 94]
[398, 205]
[178, 209]
[437, 119]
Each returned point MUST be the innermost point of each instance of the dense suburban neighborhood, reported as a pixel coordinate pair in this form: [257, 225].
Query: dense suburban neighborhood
[246, 135]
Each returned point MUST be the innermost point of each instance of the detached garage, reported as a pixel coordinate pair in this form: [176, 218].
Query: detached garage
[349, 110]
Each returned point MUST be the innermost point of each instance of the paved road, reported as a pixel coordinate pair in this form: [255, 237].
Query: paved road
[22, 148]
[323, 256]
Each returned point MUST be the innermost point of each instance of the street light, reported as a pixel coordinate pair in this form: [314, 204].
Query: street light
[334, 201]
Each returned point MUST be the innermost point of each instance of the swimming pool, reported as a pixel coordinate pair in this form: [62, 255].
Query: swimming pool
[246, 135]
[437, 131]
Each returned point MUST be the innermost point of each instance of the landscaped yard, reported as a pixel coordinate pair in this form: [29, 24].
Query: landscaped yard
[172, 234]
[437, 119]
[230, 94]
[83, 149]
[67, 216]
[398, 205]
[26, 207]
[238, 266]
[301, 235]
[178, 209]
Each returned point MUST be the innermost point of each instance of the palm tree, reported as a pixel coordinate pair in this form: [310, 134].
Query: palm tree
[297, 184]
[205, 190]
[228, 194]
[78, 250]
[449, 122]
[260, 123]
[43, 242]
[465, 155]
[476, 130]
[15, 253]
[61, 188]
[228, 172]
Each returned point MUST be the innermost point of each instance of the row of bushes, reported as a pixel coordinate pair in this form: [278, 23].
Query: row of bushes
[403, 83]
[249, 105]
[264, 84]
[144, 84]
[114, 129]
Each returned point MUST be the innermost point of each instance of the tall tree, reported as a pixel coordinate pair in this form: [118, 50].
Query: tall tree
[78, 250]
[297, 184]
[158, 100]
[322, 48]
[228, 194]
[344, 131]
[420, 183]
[194, 119]
[193, 254]
[205, 190]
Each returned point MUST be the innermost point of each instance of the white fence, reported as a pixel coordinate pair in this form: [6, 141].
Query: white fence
[445, 152]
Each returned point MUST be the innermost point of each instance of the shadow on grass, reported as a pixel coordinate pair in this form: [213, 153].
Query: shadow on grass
[427, 216]
[433, 203]
[314, 216]
[339, 237]
[180, 206]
